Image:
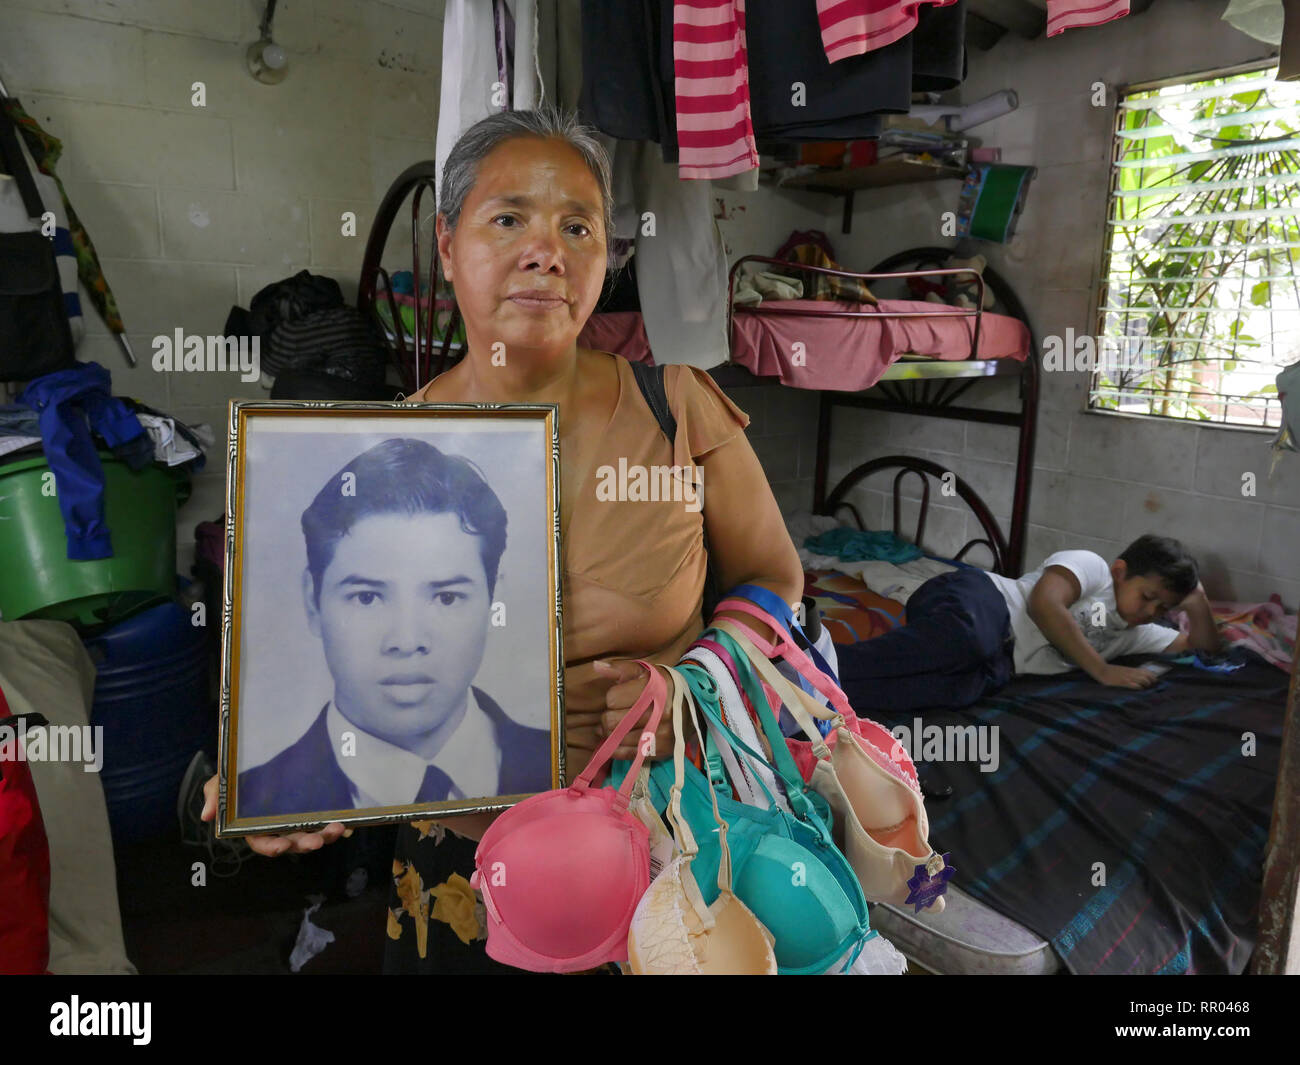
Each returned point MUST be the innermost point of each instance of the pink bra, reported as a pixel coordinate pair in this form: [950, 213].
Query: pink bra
[562, 872]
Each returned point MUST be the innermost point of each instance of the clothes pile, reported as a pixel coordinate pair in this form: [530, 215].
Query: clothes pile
[302, 324]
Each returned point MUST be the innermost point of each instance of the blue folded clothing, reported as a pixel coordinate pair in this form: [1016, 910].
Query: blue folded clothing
[855, 545]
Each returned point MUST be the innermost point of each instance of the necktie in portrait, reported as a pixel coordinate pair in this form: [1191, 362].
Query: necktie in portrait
[435, 786]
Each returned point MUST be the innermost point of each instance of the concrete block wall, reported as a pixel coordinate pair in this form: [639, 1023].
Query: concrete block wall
[1099, 480]
[193, 209]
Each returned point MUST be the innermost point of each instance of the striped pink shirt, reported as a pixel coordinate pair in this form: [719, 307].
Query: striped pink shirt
[715, 136]
[852, 27]
[1065, 15]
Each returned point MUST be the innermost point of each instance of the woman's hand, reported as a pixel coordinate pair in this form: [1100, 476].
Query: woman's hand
[271, 846]
[627, 681]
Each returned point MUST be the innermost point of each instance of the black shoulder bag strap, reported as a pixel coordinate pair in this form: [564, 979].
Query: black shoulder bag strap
[11, 157]
[650, 379]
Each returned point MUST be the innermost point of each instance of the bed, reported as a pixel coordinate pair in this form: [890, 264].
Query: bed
[1119, 831]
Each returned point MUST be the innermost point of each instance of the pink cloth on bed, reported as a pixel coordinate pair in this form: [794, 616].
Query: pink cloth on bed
[849, 354]
[1265, 628]
[840, 354]
[620, 332]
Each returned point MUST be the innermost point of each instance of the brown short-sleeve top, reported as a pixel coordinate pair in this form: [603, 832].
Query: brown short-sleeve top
[634, 569]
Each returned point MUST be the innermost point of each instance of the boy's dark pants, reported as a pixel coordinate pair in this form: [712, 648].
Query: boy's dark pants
[955, 648]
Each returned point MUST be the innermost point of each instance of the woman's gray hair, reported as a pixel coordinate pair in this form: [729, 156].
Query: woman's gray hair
[461, 169]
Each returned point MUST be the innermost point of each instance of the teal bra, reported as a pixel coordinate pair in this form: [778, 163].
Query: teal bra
[784, 868]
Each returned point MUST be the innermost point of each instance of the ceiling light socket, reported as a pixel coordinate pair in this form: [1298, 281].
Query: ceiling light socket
[267, 61]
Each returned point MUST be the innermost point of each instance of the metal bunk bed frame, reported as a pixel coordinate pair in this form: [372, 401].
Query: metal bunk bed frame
[928, 387]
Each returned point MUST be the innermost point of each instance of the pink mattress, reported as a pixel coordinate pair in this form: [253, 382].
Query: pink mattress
[838, 354]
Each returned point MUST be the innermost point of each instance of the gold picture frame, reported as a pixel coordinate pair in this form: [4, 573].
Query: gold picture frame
[388, 563]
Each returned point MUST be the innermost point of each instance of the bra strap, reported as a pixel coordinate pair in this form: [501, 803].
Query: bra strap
[694, 671]
[785, 647]
[654, 695]
[803, 707]
[724, 862]
[782, 761]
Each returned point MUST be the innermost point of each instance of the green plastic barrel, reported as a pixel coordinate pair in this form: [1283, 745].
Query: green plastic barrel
[38, 580]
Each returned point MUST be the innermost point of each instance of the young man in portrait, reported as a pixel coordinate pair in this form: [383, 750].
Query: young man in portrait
[403, 549]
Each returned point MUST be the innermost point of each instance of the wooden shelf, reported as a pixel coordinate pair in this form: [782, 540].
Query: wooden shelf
[890, 172]
[879, 175]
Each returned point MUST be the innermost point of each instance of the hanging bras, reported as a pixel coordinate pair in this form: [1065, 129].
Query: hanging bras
[562, 872]
[673, 931]
[877, 804]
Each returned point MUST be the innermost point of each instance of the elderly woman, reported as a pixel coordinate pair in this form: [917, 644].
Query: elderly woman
[523, 234]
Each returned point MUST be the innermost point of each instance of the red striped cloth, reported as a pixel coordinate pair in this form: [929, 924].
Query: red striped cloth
[852, 27]
[1065, 15]
[715, 136]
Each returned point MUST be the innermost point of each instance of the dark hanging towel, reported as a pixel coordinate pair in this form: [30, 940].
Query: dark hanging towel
[840, 101]
[627, 58]
[843, 100]
[627, 71]
[939, 48]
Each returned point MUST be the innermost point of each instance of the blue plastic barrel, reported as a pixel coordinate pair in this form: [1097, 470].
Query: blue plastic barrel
[151, 698]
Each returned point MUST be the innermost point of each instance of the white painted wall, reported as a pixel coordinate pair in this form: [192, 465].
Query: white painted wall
[1099, 481]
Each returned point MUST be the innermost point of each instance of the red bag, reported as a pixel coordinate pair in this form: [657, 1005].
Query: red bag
[24, 867]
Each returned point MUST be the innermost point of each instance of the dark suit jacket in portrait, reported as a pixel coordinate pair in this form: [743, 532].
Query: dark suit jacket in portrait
[306, 776]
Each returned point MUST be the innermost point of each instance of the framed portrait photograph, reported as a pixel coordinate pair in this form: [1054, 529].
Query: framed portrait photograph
[391, 633]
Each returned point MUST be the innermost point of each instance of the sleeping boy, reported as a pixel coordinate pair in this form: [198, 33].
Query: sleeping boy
[969, 631]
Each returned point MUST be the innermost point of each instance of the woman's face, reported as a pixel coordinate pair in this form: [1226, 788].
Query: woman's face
[527, 257]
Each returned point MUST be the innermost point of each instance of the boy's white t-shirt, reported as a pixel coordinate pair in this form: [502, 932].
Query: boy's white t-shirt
[1110, 637]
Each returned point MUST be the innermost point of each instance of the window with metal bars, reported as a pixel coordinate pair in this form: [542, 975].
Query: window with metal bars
[1198, 306]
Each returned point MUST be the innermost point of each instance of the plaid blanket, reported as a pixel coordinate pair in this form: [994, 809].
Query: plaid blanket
[1126, 827]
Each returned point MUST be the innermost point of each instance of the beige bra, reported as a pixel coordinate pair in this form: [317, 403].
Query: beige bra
[673, 932]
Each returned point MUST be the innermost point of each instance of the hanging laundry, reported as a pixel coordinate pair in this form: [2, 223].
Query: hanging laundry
[853, 27]
[682, 282]
[939, 48]
[519, 71]
[503, 32]
[796, 93]
[1065, 15]
[628, 71]
[526, 76]
[715, 136]
[469, 69]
